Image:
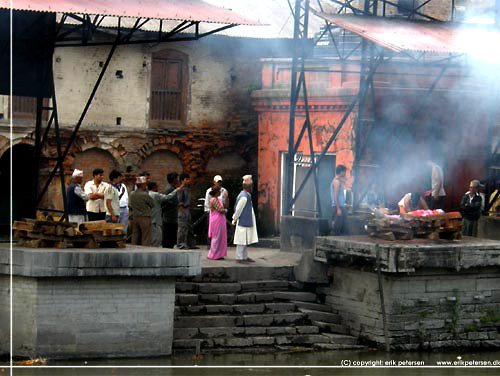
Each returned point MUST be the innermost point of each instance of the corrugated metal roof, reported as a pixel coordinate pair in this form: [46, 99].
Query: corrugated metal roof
[405, 35]
[183, 10]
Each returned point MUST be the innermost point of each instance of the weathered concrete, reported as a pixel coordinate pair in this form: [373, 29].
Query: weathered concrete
[77, 303]
[298, 234]
[436, 294]
[309, 270]
[489, 228]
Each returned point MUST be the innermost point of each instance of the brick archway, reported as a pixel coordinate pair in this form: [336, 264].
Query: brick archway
[230, 165]
[159, 163]
[93, 158]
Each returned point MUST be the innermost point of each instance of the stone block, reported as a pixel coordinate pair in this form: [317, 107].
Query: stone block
[186, 287]
[227, 298]
[280, 307]
[186, 299]
[341, 339]
[312, 306]
[218, 308]
[238, 342]
[293, 295]
[307, 330]
[248, 297]
[274, 330]
[221, 332]
[249, 308]
[449, 284]
[309, 270]
[207, 321]
[264, 285]
[308, 339]
[321, 316]
[215, 288]
[255, 330]
[475, 336]
[209, 298]
[185, 333]
[298, 234]
[261, 297]
[282, 340]
[263, 341]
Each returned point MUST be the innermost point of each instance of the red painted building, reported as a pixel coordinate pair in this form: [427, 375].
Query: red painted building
[403, 126]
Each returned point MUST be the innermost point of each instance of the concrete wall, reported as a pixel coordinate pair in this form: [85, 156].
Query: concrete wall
[75, 317]
[427, 309]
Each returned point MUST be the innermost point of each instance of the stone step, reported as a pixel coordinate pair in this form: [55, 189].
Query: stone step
[295, 296]
[295, 318]
[234, 308]
[182, 299]
[262, 340]
[312, 306]
[230, 287]
[218, 332]
[328, 317]
[239, 273]
[341, 339]
[338, 346]
[329, 327]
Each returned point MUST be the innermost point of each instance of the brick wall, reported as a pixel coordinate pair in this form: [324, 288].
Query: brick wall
[91, 159]
[159, 164]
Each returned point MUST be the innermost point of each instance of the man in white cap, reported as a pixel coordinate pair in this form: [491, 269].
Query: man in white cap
[76, 198]
[244, 220]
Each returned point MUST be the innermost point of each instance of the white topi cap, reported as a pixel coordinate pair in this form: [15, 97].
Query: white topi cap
[140, 180]
[77, 172]
[247, 179]
[217, 178]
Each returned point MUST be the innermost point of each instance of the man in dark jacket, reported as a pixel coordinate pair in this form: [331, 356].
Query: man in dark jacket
[76, 198]
[169, 212]
[470, 208]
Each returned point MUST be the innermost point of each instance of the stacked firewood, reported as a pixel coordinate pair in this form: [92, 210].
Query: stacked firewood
[56, 234]
[409, 226]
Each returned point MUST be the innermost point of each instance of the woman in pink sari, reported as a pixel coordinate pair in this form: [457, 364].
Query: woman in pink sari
[217, 226]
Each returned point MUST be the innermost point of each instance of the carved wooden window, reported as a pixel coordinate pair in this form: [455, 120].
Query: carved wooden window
[168, 88]
[24, 108]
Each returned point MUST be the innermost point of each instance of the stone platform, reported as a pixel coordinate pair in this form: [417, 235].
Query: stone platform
[436, 293]
[70, 303]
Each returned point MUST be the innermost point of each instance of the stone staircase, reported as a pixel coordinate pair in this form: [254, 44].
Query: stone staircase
[228, 309]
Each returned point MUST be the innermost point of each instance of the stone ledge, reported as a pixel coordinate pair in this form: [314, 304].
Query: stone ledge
[407, 256]
[132, 261]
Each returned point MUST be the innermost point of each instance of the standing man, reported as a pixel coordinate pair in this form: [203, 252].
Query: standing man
[337, 195]
[76, 199]
[112, 197]
[141, 206]
[95, 189]
[437, 186]
[184, 232]
[123, 195]
[470, 208]
[244, 220]
[156, 217]
[169, 212]
[224, 196]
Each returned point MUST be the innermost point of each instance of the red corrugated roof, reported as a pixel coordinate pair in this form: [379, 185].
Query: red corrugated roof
[405, 35]
[184, 10]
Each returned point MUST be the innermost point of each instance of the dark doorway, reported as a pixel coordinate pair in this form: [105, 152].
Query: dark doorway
[23, 171]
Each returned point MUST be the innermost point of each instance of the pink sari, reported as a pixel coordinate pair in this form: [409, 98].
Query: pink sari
[217, 232]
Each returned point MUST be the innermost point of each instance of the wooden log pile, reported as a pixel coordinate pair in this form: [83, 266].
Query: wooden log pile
[408, 226]
[54, 234]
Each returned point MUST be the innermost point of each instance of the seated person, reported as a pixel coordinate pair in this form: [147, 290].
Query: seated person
[412, 201]
[495, 205]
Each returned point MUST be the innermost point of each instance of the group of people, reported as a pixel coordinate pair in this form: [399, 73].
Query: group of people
[163, 219]
[471, 205]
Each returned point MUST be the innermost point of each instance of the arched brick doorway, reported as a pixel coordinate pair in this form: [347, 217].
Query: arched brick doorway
[91, 159]
[159, 164]
[23, 191]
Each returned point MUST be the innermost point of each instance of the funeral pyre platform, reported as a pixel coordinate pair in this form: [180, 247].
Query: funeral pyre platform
[435, 293]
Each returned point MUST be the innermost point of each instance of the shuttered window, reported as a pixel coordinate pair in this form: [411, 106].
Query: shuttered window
[168, 88]
[24, 108]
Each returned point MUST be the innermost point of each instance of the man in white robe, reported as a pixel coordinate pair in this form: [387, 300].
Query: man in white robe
[244, 220]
